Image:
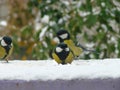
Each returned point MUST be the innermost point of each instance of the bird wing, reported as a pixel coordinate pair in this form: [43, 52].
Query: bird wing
[76, 50]
[2, 52]
[56, 58]
[70, 58]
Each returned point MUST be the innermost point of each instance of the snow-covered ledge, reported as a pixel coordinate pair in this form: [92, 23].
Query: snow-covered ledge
[48, 75]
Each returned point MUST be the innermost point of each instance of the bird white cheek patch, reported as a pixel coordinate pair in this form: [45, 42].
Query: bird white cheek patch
[3, 43]
[67, 49]
[64, 36]
[58, 49]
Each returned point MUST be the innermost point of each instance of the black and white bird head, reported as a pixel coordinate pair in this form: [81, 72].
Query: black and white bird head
[62, 48]
[6, 41]
[63, 35]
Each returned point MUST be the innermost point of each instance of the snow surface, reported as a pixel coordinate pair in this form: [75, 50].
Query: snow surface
[50, 70]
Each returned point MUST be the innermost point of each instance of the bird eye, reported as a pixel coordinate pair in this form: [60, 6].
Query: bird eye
[67, 49]
[58, 49]
[64, 36]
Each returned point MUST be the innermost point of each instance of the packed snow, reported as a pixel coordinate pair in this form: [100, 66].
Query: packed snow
[50, 70]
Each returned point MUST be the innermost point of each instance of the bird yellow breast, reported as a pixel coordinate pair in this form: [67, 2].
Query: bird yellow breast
[2, 52]
[56, 58]
[69, 58]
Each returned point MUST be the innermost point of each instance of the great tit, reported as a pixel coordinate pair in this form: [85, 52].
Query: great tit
[64, 36]
[6, 48]
[62, 54]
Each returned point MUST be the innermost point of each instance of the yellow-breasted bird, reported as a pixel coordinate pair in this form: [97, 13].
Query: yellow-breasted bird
[6, 48]
[62, 54]
[64, 36]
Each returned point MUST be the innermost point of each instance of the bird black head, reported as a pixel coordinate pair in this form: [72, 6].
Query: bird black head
[62, 48]
[63, 35]
[6, 41]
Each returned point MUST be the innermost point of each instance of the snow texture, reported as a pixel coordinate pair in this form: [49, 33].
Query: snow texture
[50, 70]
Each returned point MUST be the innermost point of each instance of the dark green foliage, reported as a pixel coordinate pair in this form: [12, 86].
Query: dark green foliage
[95, 22]
[81, 17]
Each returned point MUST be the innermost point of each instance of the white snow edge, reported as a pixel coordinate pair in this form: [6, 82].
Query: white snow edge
[50, 70]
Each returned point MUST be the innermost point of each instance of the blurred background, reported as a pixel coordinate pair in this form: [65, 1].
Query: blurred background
[33, 24]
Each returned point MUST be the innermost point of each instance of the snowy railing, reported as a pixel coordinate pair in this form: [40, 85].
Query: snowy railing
[48, 75]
